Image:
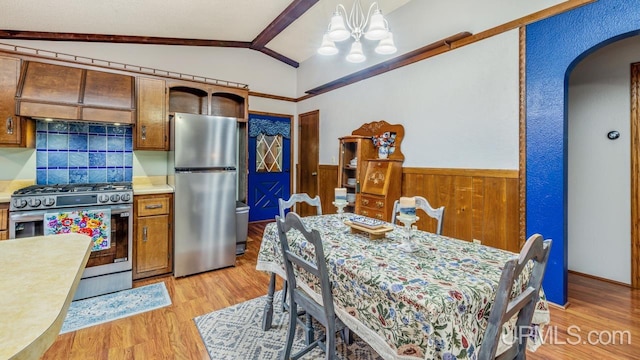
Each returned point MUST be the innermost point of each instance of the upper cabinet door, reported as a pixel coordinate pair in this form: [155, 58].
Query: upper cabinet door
[9, 123]
[151, 127]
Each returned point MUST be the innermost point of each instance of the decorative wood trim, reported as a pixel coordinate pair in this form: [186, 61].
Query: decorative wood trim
[411, 57]
[507, 174]
[379, 127]
[522, 141]
[118, 39]
[270, 96]
[635, 177]
[279, 57]
[525, 20]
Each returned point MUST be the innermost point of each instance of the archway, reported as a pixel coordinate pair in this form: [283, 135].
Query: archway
[553, 47]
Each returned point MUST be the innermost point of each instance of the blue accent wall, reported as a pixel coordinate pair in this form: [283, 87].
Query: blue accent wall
[553, 47]
[74, 152]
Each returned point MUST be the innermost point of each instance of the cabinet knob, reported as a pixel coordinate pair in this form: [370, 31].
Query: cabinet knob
[379, 216]
[314, 174]
[10, 125]
[144, 234]
[380, 204]
[143, 132]
[365, 201]
[154, 206]
[365, 213]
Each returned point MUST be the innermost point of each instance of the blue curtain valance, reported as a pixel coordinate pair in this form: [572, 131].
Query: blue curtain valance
[269, 127]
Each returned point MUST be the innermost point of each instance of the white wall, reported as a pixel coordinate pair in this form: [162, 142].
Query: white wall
[599, 207]
[459, 109]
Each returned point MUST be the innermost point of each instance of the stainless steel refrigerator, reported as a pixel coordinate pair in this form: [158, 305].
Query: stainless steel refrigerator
[202, 171]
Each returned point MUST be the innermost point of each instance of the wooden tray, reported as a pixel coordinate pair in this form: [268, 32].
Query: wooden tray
[374, 234]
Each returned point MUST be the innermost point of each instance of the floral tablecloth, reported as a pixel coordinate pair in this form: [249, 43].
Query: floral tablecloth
[429, 304]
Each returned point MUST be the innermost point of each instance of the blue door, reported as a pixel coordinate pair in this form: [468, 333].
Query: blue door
[269, 164]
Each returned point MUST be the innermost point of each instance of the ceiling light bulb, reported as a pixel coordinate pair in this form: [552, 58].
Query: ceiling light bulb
[328, 47]
[356, 55]
[377, 27]
[386, 45]
[337, 30]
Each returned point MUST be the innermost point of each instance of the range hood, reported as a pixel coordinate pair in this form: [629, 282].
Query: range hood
[69, 93]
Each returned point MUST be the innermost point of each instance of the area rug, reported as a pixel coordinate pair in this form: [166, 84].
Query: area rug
[235, 333]
[117, 305]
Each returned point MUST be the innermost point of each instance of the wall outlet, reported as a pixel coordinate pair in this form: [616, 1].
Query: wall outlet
[414, 227]
[333, 159]
[476, 241]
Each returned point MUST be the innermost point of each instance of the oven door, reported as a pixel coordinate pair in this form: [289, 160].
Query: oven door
[115, 259]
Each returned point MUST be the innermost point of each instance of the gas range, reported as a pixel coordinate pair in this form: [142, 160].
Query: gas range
[37, 197]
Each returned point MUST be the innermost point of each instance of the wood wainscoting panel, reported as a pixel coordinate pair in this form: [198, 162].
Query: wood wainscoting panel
[479, 204]
[327, 182]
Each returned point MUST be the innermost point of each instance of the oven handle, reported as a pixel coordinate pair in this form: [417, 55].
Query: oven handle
[34, 215]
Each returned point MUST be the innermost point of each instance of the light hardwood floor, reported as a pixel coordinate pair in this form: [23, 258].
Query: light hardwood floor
[169, 333]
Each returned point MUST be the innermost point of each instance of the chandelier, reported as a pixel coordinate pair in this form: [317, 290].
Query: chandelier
[356, 22]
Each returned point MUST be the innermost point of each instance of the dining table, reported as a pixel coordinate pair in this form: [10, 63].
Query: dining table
[431, 303]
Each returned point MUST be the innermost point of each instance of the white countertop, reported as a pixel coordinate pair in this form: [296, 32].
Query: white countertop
[38, 280]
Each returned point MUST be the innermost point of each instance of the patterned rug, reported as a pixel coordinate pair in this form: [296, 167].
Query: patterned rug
[117, 305]
[235, 333]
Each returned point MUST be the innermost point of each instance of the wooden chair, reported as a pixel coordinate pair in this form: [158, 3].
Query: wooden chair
[287, 204]
[422, 203]
[298, 198]
[325, 313]
[522, 306]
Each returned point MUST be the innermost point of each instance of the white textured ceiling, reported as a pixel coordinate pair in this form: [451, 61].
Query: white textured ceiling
[234, 20]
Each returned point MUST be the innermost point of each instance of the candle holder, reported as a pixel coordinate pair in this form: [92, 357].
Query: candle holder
[340, 205]
[408, 220]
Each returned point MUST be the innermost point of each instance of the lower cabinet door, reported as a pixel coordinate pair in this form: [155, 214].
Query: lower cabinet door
[153, 246]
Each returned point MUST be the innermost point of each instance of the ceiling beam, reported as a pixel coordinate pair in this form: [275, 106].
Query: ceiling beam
[279, 57]
[286, 18]
[150, 40]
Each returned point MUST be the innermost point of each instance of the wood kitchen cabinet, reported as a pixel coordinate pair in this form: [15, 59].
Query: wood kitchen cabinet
[4, 221]
[151, 128]
[153, 240]
[14, 130]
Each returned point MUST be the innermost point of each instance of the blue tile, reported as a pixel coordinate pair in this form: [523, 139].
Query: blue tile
[78, 142]
[128, 174]
[97, 175]
[57, 159]
[97, 159]
[115, 143]
[115, 159]
[79, 159]
[41, 140]
[128, 144]
[97, 142]
[41, 125]
[41, 177]
[78, 176]
[116, 130]
[59, 126]
[129, 131]
[58, 142]
[79, 128]
[58, 176]
[128, 159]
[97, 129]
[116, 174]
[41, 159]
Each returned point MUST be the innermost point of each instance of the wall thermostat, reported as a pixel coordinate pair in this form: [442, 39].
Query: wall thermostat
[612, 135]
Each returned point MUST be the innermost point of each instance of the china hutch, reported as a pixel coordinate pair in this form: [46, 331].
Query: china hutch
[372, 183]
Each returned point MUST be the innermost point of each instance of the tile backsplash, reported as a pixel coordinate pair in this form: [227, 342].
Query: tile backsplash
[74, 152]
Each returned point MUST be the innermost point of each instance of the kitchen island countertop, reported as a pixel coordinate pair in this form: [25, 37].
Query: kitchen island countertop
[38, 281]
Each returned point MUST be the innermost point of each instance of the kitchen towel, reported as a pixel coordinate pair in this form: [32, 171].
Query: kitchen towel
[96, 223]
